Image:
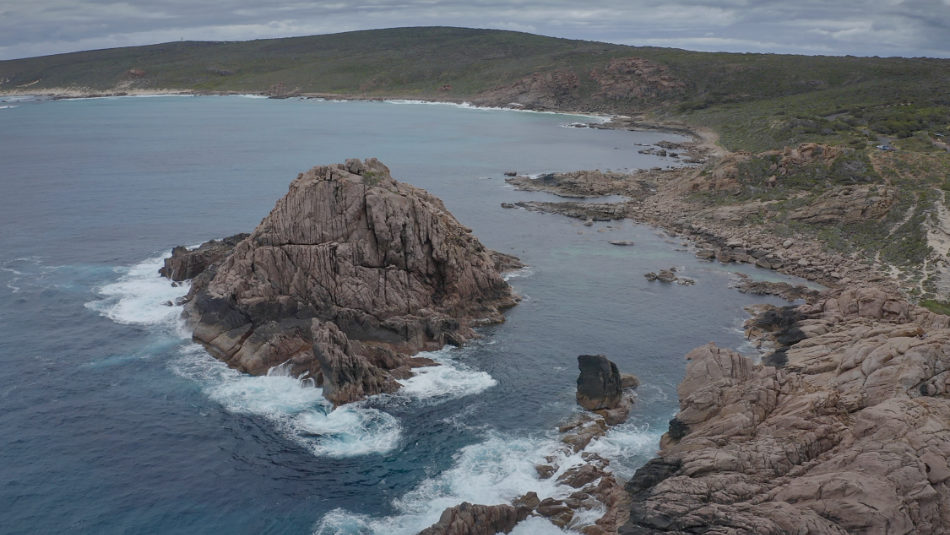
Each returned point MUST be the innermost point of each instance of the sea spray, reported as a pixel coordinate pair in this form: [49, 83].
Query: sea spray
[294, 406]
[140, 296]
[497, 470]
[449, 380]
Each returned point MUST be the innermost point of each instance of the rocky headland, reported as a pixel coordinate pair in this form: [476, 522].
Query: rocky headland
[350, 275]
[844, 425]
[849, 432]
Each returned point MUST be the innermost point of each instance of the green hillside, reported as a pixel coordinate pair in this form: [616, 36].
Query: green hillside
[755, 101]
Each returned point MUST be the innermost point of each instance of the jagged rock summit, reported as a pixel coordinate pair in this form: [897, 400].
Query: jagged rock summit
[349, 275]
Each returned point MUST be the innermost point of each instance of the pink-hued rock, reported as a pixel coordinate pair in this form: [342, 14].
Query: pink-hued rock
[470, 519]
[851, 435]
[349, 274]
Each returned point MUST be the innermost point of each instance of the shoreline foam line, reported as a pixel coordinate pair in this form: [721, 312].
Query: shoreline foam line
[295, 407]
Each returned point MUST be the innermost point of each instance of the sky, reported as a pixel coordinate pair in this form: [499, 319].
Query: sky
[842, 27]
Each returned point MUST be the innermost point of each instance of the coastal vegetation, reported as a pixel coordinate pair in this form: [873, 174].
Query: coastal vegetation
[880, 124]
[755, 101]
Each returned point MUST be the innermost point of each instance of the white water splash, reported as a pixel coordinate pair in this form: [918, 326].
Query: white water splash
[141, 296]
[449, 380]
[494, 471]
[294, 406]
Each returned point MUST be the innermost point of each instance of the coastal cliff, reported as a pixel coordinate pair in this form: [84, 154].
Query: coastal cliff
[844, 427]
[848, 433]
[349, 275]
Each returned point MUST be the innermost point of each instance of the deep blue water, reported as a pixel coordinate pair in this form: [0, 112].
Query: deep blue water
[111, 421]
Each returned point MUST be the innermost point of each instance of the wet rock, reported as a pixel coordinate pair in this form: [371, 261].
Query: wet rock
[588, 211]
[558, 512]
[784, 290]
[621, 243]
[629, 380]
[529, 501]
[505, 262]
[469, 519]
[669, 276]
[545, 471]
[185, 264]
[582, 475]
[598, 385]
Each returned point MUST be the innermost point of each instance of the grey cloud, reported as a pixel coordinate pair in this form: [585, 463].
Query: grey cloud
[866, 27]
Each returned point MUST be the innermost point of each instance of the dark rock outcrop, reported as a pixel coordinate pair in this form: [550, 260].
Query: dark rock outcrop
[186, 263]
[599, 384]
[781, 289]
[350, 273]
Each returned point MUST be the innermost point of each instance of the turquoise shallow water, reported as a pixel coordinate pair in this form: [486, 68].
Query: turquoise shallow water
[112, 422]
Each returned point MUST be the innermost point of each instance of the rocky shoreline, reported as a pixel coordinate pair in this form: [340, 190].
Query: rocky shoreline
[596, 502]
[848, 433]
[843, 428]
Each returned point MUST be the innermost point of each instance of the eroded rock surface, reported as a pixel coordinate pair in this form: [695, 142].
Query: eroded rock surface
[469, 519]
[349, 274]
[851, 435]
[186, 263]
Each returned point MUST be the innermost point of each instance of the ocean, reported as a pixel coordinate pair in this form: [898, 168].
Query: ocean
[113, 421]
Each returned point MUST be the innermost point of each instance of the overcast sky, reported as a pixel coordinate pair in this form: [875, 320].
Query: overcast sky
[856, 27]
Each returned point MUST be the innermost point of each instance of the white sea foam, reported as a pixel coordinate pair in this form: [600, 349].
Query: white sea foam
[294, 406]
[535, 525]
[77, 99]
[250, 95]
[28, 272]
[470, 106]
[20, 98]
[140, 296]
[496, 470]
[626, 446]
[158, 95]
[451, 379]
[6, 107]
[14, 278]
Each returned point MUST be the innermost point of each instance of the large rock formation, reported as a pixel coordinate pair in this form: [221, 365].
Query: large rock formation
[350, 273]
[851, 434]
